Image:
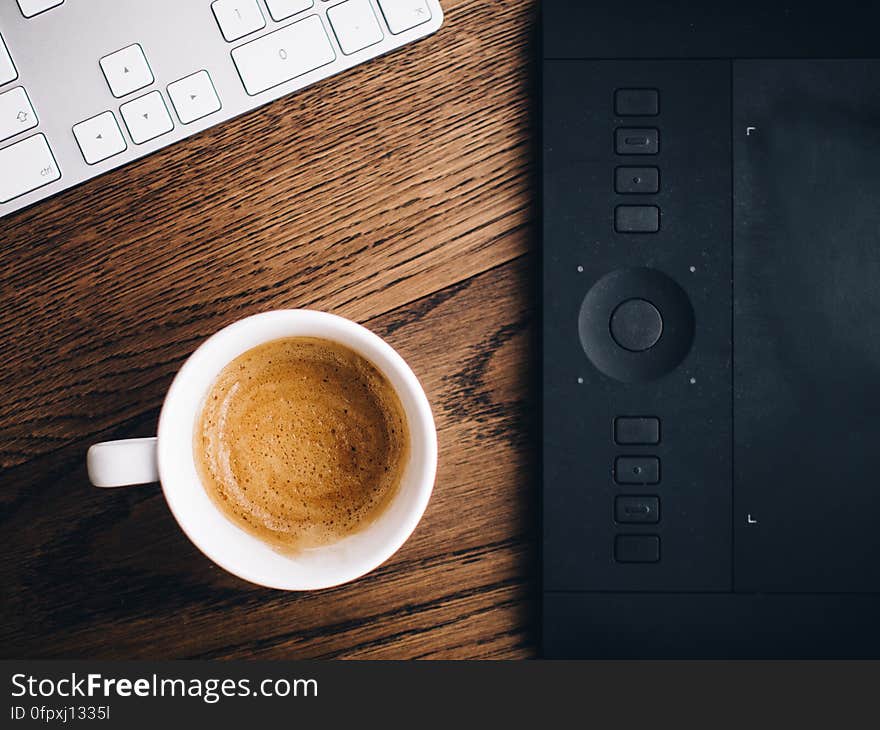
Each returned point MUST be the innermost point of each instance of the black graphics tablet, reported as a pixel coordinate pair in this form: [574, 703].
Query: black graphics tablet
[711, 329]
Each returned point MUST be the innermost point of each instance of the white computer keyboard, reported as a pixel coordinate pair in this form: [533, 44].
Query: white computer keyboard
[89, 85]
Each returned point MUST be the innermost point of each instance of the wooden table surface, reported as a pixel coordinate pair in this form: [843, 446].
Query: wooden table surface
[400, 195]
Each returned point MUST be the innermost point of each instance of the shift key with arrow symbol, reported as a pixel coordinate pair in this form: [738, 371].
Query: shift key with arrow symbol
[16, 113]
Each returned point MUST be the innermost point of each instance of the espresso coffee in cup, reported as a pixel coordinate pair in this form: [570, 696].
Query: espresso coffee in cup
[301, 442]
[310, 468]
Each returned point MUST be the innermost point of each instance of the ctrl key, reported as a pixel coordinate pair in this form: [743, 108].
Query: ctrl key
[26, 166]
[637, 549]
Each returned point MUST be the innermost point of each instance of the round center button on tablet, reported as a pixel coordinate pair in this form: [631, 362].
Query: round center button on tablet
[636, 325]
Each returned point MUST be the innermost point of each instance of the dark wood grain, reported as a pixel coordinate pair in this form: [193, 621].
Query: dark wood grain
[399, 195]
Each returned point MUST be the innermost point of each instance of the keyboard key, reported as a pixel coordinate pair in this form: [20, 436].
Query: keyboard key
[30, 8]
[283, 55]
[194, 97]
[355, 25]
[127, 70]
[7, 68]
[16, 113]
[99, 138]
[402, 15]
[281, 9]
[238, 18]
[147, 117]
[26, 166]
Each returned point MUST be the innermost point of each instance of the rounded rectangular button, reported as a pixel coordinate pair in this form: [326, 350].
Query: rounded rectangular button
[283, 9]
[7, 68]
[99, 138]
[636, 102]
[194, 97]
[637, 219]
[637, 180]
[238, 18]
[637, 549]
[641, 430]
[637, 470]
[355, 25]
[30, 8]
[26, 166]
[16, 113]
[637, 510]
[402, 15]
[283, 55]
[147, 117]
[127, 70]
[637, 141]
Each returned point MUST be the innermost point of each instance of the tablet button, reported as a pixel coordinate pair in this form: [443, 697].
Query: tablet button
[636, 431]
[636, 180]
[637, 510]
[637, 549]
[637, 141]
[637, 470]
[636, 325]
[637, 219]
[636, 102]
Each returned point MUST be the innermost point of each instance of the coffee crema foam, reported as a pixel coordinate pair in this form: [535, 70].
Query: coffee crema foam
[301, 442]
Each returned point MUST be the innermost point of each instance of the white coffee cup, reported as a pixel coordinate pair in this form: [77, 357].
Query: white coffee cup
[169, 458]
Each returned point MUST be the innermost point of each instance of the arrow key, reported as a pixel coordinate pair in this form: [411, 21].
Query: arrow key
[16, 113]
[127, 70]
[194, 97]
[147, 117]
[99, 138]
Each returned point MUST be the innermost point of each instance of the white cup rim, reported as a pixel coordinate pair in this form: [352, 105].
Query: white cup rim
[241, 553]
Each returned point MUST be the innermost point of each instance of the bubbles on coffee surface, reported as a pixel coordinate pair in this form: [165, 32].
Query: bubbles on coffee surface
[301, 442]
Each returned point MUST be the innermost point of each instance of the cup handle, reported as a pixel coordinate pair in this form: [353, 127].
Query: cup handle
[123, 463]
